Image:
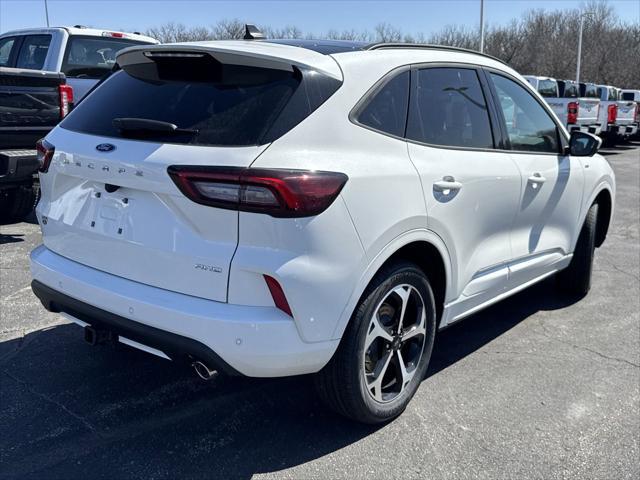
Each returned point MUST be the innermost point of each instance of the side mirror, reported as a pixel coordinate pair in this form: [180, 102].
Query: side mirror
[583, 144]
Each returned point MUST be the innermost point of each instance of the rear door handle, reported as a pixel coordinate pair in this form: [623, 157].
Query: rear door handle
[447, 183]
[537, 179]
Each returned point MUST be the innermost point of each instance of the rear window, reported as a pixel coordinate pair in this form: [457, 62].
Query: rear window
[613, 94]
[548, 88]
[33, 52]
[569, 90]
[226, 105]
[92, 57]
[589, 91]
[628, 96]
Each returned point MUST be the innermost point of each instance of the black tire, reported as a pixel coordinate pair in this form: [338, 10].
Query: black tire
[576, 278]
[343, 385]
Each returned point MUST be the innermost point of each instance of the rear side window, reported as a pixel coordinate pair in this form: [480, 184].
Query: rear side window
[448, 108]
[529, 126]
[221, 104]
[548, 88]
[33, 52]
[92, 57]
[6, 45]
[386, 110]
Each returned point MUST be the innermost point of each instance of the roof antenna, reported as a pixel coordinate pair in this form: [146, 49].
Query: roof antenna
[251, 32]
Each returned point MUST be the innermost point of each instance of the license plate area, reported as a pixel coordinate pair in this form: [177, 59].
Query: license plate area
[110, 214]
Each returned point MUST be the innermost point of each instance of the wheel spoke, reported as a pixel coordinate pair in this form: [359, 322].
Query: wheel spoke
[416, 330]
[378, 375]
[403, 292]
[405, 375]
[377, 330]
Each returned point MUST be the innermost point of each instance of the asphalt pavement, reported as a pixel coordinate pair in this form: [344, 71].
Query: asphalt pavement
[538, 386]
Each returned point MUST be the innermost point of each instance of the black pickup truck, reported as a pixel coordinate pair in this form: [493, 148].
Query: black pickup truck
[31, 103]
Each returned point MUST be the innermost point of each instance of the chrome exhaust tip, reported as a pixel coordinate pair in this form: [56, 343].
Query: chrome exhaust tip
[203, 371]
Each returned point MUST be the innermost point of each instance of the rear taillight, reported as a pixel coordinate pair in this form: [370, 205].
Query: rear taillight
[277, 294]
[66, 99]
[572, 112]
[612, 113]
[637, 115]
[45, 153]
[276, 192]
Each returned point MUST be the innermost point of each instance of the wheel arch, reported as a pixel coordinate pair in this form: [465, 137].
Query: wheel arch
[605, 211]
[422, 247]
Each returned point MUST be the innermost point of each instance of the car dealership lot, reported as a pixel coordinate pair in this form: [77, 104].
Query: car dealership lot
[536, 386]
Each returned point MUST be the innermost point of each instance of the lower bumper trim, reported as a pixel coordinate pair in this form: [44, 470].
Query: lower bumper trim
[177, 347]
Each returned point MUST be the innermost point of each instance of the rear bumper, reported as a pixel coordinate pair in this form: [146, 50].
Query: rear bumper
[17, 165]
[252, 341]
[595, 129]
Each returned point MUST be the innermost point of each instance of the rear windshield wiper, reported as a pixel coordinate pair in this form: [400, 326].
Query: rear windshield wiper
[147, 127]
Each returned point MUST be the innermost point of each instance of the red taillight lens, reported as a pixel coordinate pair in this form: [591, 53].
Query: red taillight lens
[572, 112]
[612, 113]
[279, 193]
[66, 99]
[45, 153]
[278, 295]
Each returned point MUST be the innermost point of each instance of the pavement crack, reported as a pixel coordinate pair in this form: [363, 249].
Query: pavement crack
[47, 398]
[547, 334]
[621, 270]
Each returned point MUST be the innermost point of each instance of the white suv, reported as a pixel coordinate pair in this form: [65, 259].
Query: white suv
[273, 208]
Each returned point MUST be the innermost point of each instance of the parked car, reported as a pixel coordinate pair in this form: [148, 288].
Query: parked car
[83, 54]
[576, 112]
[31, 104]
[633, 96]
[347, 202]
[616, 115]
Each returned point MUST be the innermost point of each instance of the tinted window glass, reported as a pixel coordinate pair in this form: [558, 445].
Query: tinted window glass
[570, 90]
[629, 96]
[529, 126]
[6, 44]
[236, 106]
[92, 57]
[387, 109]
[33, 52]
[449, 109]
[613, 94]
[548, 88]
[589, 91]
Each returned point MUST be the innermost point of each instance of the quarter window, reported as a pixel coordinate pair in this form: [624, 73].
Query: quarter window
[33, 52]
[529, 126]
[6, 44]
[448, 108]
[386, 111]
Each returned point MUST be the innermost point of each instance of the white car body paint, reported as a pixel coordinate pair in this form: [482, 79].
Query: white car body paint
[496, 236]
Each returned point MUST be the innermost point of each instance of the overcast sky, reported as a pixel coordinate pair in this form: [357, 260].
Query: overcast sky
[314, 16]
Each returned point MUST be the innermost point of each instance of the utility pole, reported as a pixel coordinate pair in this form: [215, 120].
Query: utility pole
[46, 11]
[582, 16]
[481, 26]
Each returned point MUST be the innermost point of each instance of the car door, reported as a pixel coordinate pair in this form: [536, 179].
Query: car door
[545, 227]
[471, 189]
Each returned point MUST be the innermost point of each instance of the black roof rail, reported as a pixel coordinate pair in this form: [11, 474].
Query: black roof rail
[384, 45]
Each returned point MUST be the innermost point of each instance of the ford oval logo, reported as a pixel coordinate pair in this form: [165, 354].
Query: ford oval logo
[105, 147]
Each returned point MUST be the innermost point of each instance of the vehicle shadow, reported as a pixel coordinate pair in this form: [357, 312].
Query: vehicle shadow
[71, 410]
[14, 238]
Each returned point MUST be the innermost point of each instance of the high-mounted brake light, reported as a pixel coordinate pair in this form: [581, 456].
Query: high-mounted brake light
[276, 192]
[612, 113]
[66, 99]
[114, 34]
[45, 153]
[572, 112]
[173, 55]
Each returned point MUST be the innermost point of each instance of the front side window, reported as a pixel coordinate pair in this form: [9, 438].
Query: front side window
[448, 108]
[386, 111]
[6, 44]
[529, 126]
[92, 57]
[33, 52]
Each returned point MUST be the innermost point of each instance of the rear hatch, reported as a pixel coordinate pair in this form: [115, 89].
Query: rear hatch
[108, 201]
